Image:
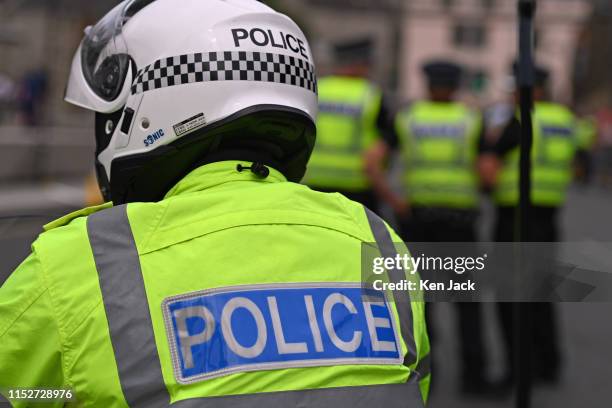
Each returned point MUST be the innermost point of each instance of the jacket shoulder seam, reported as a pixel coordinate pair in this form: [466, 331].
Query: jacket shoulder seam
[228, 227]
[60, 330]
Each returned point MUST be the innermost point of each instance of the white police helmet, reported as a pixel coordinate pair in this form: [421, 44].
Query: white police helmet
[179, 83]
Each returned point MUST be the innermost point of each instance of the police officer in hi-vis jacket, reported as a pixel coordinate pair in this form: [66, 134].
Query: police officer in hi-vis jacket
[353, 115]
[556, 143]
[439, 139]
[213, 278]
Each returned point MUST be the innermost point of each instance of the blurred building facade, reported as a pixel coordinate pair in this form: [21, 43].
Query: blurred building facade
[42, 139]
[481, 34]
[37, 40]
[40, 36]
[334, 21]
[592, 79]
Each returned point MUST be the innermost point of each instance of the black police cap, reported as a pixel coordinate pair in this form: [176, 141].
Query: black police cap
[443, 73]
[359, 50]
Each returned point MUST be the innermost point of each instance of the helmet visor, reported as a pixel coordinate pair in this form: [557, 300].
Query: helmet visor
[104, 52]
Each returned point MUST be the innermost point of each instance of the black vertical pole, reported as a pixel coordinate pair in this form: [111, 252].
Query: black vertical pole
[526, 11]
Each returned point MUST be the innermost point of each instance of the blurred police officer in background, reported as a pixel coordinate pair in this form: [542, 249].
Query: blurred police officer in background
[555, 146]
[215, 279]
[586, 133]
[439, 139]
[352, 117]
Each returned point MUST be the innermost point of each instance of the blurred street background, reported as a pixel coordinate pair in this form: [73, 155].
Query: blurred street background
[46, 146]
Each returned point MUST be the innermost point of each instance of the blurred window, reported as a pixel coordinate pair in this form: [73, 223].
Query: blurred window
[469, 35]
[488, 4]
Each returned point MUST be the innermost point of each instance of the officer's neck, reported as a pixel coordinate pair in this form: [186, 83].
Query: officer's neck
[441, 100]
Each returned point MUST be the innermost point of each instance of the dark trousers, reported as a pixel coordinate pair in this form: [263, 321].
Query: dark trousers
[545, 354]
[450, 225]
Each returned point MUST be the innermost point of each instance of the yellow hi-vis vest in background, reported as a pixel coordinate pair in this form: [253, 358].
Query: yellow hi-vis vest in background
[586, 132]
[555, 143]
[232, 292]
[439, 143]
[346, 128]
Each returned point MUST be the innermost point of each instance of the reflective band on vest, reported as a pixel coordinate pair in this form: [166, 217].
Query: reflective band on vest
[131, 332]
[406, 395]
[402, 298]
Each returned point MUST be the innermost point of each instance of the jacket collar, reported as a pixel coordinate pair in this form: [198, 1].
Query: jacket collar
[215, 174]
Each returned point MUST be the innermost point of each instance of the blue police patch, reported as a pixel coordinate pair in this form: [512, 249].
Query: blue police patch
[342, 109]
[558, 131]
[224, 331]
[446, 131]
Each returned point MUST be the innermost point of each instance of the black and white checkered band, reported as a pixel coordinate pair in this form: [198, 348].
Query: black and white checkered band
[226, 66]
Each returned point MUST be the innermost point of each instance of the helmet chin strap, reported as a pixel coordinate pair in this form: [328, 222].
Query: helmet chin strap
[103, 183]
[105, 126]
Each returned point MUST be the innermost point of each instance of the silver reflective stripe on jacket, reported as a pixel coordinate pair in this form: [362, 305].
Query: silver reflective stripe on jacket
[406, 395]
[402, 298]
[127, 310]
[131, 334]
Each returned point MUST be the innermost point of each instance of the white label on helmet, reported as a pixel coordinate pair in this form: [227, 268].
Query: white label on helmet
[270, 38]
[190, 125]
